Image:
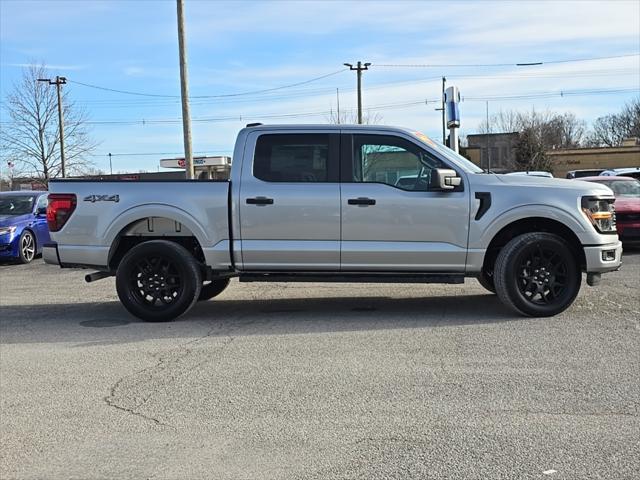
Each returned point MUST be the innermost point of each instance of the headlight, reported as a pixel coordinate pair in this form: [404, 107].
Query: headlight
[7, 230]
[601, 213]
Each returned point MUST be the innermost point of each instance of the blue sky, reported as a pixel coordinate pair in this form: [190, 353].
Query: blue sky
[243, 46]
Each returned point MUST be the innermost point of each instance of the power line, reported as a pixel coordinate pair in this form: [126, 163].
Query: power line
[398, 105]
[254, 92]
[561, 93]
[135, 154]
[102, 103]
[521, 64]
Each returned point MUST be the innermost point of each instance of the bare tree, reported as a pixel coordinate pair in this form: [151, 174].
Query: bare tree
[32, 137]
[611, 130]
[505, 121]
[539, 132]
[554, 130]
[351, 116]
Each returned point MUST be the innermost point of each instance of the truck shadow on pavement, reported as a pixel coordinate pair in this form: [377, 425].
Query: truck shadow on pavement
[108, 322]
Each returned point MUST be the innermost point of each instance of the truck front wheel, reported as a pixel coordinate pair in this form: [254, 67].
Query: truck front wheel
[536, 274]
[158, 280]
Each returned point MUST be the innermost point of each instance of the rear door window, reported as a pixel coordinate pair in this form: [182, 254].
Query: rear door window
[296, 158]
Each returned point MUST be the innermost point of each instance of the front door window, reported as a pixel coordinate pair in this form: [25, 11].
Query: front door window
[392, 161]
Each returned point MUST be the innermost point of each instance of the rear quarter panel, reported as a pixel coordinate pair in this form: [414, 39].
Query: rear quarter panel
[200, 206]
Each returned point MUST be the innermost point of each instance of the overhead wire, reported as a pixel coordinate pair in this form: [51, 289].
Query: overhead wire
[238, 94]
[512, 64]
[262, 116]
[331, 91]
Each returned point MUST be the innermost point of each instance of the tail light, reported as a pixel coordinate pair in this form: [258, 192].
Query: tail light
[60, 208]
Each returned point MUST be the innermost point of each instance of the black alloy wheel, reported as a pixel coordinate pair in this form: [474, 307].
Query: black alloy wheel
[537, 274]
[542, 275]
[158, 280]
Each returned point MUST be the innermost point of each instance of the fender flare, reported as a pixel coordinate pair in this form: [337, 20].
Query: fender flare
[154, 210]
[524, 212]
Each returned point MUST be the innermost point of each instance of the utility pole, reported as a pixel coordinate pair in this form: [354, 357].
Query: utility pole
[110, 165]
[338, 102]
[184, 93]
[488, 148]
[359, 69]
[58, 82]
[441, 109]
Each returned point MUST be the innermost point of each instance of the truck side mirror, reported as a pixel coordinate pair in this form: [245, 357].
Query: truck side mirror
[444, 179]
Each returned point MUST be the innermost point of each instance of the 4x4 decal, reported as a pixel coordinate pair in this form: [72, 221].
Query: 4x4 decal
[102, 198]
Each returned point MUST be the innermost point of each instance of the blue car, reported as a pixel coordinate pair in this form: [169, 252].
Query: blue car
[23, 225]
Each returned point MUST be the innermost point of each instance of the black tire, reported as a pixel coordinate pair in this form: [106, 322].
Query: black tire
[158, 280]
[213, 288]
[27, 247]
[486, 281]
[537, 275]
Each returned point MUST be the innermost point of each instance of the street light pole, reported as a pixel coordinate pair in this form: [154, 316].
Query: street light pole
[359, 69]
[58, 82]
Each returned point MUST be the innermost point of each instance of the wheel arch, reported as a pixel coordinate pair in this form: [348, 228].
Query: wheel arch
[154, 222]
[530, 225]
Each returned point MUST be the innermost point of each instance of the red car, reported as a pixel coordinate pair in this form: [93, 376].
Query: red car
[627, 192]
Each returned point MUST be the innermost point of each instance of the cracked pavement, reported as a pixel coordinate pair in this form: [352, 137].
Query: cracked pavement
[317, 381]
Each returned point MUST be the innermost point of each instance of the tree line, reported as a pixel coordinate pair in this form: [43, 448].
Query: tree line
[540, 132]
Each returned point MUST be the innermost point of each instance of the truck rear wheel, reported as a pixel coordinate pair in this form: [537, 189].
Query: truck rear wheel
[213, 288]
[158, 280]
[537, 275]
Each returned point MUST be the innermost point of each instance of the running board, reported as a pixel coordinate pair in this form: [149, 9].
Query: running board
[352, 277]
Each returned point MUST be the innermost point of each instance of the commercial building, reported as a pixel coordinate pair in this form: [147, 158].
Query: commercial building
[492, 150]
[627, 155]
[498, 150]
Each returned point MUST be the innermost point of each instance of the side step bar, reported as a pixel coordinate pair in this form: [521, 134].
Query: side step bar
[352, 277]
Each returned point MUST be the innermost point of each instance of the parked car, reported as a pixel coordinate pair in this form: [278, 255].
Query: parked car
[320, 203]
[533, 174]
[23, 225]
[584, 173]
[627, 205]
[633, 172]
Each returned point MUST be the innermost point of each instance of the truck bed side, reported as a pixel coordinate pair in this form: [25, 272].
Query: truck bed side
[113, 214]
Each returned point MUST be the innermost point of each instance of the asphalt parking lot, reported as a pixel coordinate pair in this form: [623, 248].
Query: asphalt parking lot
[317, 381]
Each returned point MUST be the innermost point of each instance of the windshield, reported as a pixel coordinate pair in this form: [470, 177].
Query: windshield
[16, 204]
[624, 188]
[456, 158]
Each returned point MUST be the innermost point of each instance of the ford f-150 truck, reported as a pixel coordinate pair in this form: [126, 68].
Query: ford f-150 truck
[324, 203]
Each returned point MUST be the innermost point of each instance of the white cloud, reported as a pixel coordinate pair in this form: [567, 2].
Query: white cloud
[49, 67]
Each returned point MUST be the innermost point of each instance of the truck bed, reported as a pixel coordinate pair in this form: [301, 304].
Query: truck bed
[106, 210]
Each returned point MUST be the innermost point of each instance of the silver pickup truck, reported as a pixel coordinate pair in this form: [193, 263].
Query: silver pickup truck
[336, 203]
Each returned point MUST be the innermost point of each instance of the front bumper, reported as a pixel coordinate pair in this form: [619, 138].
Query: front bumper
[9, 249]
[629, 231]
[603, 258]
[50, 253]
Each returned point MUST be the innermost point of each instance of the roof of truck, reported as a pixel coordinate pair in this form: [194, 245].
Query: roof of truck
[325, 126]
